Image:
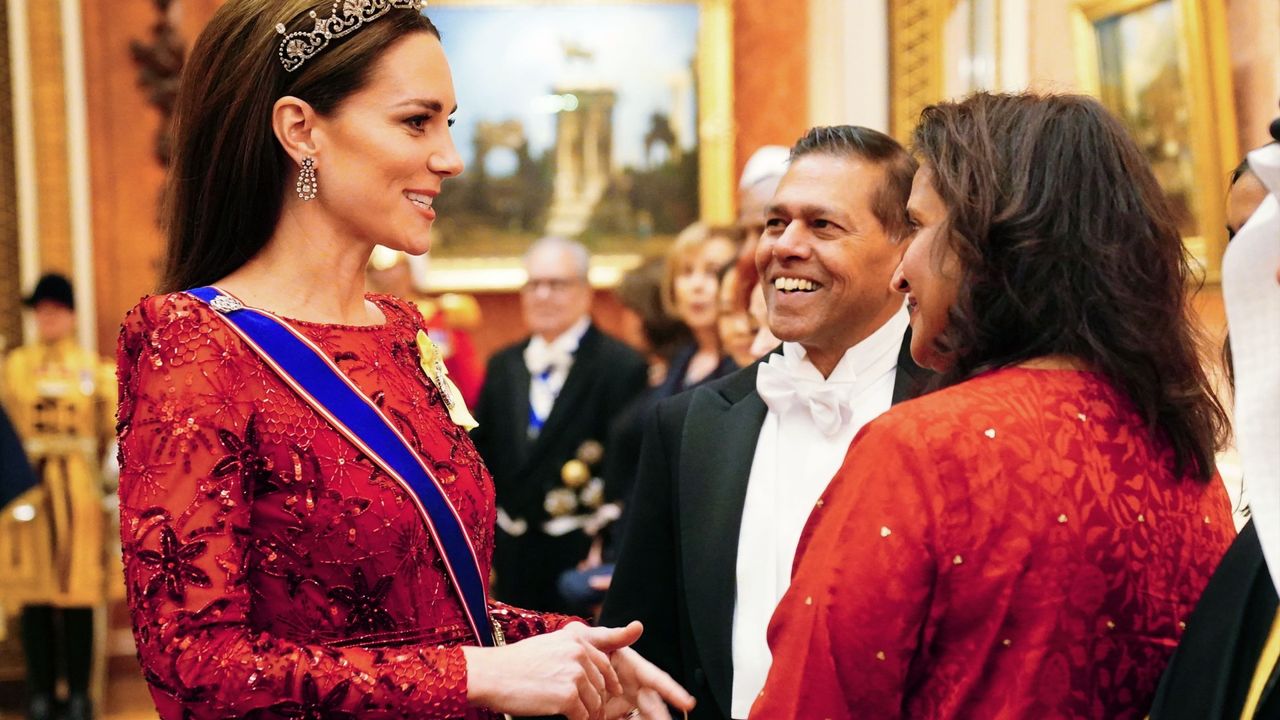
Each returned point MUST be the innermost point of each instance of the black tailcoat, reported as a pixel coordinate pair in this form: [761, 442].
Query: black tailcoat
[605, 376]
[677, 568]
[1209, 676]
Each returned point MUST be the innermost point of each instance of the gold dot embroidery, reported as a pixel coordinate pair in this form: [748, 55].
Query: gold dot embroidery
[957, 560]
[808, 600]
[990, 432]
[885, 532]
[1111, 625]
[1142, 518]
[880, 655]
[1062, 518]
[1006, 642]
[1082, 417]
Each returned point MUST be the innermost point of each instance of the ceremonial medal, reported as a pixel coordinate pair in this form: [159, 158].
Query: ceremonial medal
[560, 501]
[591, 452]
[575, 474]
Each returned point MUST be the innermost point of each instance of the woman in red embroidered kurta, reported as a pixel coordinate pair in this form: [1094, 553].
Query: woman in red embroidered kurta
[273, 570]
[1029, 541]
[1006, 548]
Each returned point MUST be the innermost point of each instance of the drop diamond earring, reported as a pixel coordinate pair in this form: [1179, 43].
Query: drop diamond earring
[307, 186]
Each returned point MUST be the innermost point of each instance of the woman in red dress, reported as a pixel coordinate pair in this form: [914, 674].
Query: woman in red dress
[273, 569]
[1029, 541]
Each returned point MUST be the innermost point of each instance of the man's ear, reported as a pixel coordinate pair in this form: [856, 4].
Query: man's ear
[294, 122]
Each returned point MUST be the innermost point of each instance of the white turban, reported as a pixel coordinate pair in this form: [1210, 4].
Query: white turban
[769, 162]
[1252, 294]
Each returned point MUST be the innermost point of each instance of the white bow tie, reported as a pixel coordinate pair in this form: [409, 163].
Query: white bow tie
[540, 357]
[828, 403]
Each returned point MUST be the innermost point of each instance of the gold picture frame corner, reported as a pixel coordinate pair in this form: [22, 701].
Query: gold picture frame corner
[1212, 129]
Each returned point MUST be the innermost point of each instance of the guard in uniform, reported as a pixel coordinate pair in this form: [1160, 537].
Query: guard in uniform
[62, 401]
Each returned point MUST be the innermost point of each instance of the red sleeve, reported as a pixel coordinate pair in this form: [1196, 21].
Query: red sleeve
[847, 631]
[185, 528]
[520, 624]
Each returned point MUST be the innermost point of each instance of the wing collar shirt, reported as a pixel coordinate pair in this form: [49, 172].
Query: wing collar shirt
[807, 431]
[549, 364]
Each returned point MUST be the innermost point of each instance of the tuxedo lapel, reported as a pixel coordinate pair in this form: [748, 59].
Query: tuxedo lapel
[518, 380]
[911, 379]
[717, 451]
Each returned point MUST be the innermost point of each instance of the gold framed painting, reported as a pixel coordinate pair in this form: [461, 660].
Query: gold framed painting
[607, 121]
[1162, 67]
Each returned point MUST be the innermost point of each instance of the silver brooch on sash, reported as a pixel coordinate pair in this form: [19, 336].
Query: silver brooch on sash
[226, 304]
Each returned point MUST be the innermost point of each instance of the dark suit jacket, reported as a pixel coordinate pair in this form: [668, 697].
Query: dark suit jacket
[16, 476]
[1209, 675]
[676, 571]
[606, 375]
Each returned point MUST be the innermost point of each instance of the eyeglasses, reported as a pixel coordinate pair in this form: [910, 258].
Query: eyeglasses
[551, 285]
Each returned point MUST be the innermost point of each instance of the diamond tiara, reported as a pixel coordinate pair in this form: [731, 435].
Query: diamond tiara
[348, 16]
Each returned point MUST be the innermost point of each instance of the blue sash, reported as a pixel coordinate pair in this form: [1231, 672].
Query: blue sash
[306, 369]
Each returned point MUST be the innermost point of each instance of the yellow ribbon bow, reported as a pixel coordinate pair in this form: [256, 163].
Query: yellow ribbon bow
[433, 365]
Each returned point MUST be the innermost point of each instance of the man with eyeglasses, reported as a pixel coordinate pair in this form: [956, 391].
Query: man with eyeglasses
[544, 413]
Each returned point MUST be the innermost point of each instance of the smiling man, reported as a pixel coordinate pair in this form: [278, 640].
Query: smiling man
[730, 472]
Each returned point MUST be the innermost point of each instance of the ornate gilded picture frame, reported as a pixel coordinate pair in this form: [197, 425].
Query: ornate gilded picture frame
[609, 122]
[1162, 67]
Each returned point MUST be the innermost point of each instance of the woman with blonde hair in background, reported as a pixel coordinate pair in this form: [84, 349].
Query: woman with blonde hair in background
[690, 292]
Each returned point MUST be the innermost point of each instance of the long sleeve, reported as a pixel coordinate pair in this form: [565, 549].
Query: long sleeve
[1015, 546]
[191, 463]
[518, 624]
[855, 574]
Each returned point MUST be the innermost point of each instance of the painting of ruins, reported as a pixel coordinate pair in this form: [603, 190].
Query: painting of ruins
[573, 119]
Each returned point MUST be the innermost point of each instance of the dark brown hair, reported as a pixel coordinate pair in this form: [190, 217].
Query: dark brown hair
[1239, 170]
[641, 292]
[889, 203]
[229, 173]
[1067, 246]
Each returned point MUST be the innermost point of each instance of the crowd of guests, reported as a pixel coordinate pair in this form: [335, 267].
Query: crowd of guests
[928, 432]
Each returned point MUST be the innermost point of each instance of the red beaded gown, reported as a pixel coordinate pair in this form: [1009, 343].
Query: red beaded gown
[1016, 546]
[272, 570]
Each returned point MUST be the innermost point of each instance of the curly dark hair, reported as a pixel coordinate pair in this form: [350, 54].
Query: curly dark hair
[1067, 246]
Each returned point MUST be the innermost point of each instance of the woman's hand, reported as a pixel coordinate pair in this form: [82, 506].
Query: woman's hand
[566, 672]
[645, 687]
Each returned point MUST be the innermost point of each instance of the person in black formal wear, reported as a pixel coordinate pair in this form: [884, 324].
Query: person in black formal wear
[1226, 666]
[544, 413]
[689, 291]
[729, 472]
[16, 476]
